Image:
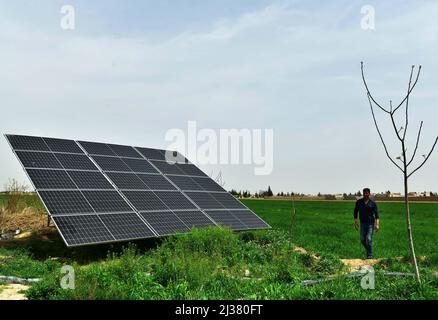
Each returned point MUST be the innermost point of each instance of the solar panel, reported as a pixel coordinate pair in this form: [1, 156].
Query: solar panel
[124, 151]
[27, 143]
[62, 145]
[75, 161]
[65, 202]
[227, 200]
[127, 181]
[139, 166]
[185, 183]
[77, 230]
[106, 201]
[175, 200]
[190, 170]
[204, 200]
[50, 179]
[97, 148]
[98, 192]
[167, 168]
[227, 218]
[156, 182]
[31, 159]
[145, 200]
[249, 219]
[152, 154]
[165, 222]
[111, 164]
[126, 226]
[194, 219]
[90, 180]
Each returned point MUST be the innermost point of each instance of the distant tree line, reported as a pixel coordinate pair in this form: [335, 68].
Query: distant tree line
[326, 196]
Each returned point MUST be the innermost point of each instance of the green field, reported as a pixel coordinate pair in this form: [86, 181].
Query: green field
[220, 264]
[327, 226]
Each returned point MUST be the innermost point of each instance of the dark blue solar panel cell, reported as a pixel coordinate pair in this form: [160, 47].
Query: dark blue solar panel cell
[185, 183]
[63, 145]
[31, 159]
[167, 168]
[226, 218]
[65, 202]
[75, 161]
[124, 151]
[83, 229]
[194, 219]
[126, 181]
[125, 226]
[204, 200]
[106, 201]
[50, 179]
[90, 180]
[27, 143]
[97, 148]
[144, 200]
[154, 154]
[139, 166]
[190, 170]
[156, 182]
[174, 200]
[250, 219]
[208, 184]
[165, 223]
[227, 200]
[111, 164]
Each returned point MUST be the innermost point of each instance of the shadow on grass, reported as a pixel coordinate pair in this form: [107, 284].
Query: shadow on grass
[48, 244]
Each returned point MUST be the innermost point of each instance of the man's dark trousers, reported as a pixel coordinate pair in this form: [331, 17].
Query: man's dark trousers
[366, 237]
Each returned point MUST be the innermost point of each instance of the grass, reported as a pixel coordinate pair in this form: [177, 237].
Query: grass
[219, 264]
[327, 226]
[26, 200]
[211, 264]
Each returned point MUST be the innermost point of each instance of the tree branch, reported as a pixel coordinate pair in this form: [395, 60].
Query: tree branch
[416, 145]
[407, 103]
[380, 135]
[368, 91]
[409, 92]
[425, 159]
[395, 126]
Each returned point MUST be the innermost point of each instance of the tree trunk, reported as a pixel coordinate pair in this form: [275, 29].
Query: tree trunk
[408, 223]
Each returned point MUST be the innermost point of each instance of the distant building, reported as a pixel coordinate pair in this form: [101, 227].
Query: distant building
[395, 195]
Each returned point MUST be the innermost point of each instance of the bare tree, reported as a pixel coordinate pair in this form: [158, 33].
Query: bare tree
[405, 161]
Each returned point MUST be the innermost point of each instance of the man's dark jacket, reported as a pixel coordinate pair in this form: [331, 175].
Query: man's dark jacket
[367, 211]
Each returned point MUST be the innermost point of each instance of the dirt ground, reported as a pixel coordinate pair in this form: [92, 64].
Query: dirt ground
[353, 265]
[356, 264]
[13, 292]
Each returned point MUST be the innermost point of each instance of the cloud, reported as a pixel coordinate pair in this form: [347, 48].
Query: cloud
[293, 67]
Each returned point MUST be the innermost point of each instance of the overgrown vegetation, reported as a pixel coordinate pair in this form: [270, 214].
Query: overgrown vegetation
[219, 264]
[20, 209]
[212, 264]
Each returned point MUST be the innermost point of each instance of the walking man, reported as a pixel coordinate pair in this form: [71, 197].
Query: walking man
[369, 220]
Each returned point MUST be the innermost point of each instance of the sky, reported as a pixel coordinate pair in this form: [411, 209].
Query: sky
[131, 71]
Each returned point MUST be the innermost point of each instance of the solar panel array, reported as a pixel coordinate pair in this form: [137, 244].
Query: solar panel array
[98, 192]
